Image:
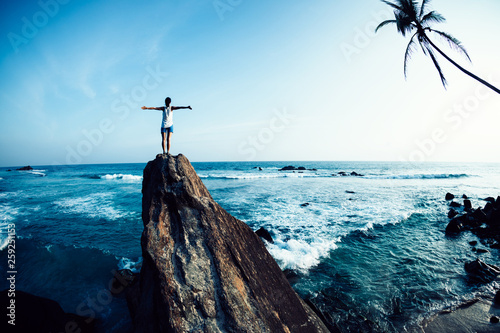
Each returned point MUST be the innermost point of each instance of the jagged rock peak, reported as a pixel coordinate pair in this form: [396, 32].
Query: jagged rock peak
[203, 269]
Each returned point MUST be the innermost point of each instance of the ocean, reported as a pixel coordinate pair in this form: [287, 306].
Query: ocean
[371, 246]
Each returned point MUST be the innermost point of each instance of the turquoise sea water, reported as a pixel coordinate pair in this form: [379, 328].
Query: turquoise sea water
[374, 244]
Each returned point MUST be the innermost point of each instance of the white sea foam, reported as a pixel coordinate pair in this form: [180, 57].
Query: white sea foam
[299, 254]
[126, 263]
[97, 205]
[419, 176]
[122, 177]
[38, 173]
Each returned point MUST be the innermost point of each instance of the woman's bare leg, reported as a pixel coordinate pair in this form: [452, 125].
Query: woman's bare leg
[169, 139]
[163, 137]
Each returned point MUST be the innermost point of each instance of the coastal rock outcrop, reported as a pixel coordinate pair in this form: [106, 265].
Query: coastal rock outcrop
[204, 270]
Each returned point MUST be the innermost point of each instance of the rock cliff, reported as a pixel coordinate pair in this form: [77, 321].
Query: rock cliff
[203, 269]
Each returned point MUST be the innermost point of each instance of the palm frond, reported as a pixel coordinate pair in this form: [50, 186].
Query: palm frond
[403, 23]
[392, 5]
[432, 17]
[385, 23]
[438, 67]
[409, 51]
[422, 8]
[453, 43]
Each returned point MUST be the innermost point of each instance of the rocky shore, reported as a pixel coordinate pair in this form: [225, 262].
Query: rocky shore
[204, 270]
[480, 314]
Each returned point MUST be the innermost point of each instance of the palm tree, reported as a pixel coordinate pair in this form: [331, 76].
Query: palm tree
[412, 18]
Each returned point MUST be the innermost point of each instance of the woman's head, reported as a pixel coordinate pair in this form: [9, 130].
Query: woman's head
[168, 101]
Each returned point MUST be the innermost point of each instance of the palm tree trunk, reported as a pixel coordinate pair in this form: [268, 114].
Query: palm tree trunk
[463, 69]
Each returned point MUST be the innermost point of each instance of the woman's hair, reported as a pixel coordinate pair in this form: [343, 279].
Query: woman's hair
[168, 101]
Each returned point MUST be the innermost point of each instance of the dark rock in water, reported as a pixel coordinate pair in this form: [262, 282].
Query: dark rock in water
[350, 192]
[291, 276]
[455, 225]
[467, 204]
[473, 243]
[9, 170]
[488, 208]
[496, 300]
[305, 204]
[25, 168]
[490, 200]
[455, 204]
[482, 251]
[494, 320]
[204, 270]
[497, 202]
[122, 279]
[313, 169]
[288, 168]
[41, 315]
[452, 213]
[356, 174]
[301, 168]
[263, 233]
[465, 197]
[260, 169]
[481, 272]
[342, 173]
[479, 215]
[449, 196]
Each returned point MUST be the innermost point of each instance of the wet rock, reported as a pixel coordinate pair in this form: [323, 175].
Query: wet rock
[473, 243]
[355, 174]
[25, 168]
[204, 270]
[479, 215]
[479, 271]
[467, 204]
[291, 276]
[490, 200]
[452, 213]
[494, 320]
[449, 196]
[482, 251]
[263, 233]
[496, 300]
[465, 197]
[455, 204]
[305, 204]
[455, 226]
[301, 168]
[288, 168]
[350, 192]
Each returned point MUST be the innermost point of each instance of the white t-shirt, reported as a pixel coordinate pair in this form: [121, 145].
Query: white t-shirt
[168, 117]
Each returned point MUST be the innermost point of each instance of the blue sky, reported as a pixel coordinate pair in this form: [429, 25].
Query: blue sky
[267, 80]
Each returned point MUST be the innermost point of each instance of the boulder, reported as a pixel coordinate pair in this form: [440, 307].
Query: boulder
[479, 271]
[204, 270]
[25, 168]
[490, 200]
[301, 168]
[465, 196]
[288, 168]
[467, 204]
[305, 204]
[263, 233]
[496, 300]
[449, 196]
[452, 213]
[455, 226]
[455, 204]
